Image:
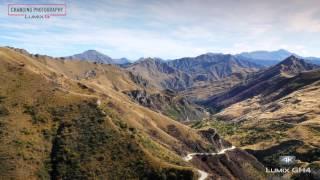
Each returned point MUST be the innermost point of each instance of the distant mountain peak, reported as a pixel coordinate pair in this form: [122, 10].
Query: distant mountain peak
[267, 55]
[92, 55]
[91, 50]
[183, 73]
[269, 58]
[148, 60]
[293, 65]
[293, 60]
[213, 54]
[264, 82]
[122, 61]
[284, 51]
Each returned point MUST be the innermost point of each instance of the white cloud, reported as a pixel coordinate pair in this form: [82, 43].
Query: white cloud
[306, 21]
[171, 29]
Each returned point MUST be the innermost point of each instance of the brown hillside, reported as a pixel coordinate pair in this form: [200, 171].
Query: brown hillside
[70, 120]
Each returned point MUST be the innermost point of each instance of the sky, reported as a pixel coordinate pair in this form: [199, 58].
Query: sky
[167, 28]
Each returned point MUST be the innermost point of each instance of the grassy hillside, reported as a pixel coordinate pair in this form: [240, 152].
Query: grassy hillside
[283, 122]
[53, 126]
[71, 120]
[264, 83]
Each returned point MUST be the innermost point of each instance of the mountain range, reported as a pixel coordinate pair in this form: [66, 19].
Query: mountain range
[268, 58]
[274, 112]
[62, 119]
[264, 82]
[262, 58]
[213, 116]
[184, 73]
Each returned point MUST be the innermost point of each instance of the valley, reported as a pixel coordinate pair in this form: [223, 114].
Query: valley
[214, 116]
[268, 111]
[160, 90]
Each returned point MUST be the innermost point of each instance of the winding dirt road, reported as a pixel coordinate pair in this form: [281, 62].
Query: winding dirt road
[204, 175]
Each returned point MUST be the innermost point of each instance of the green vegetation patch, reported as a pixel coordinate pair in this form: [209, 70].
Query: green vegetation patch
[3, 111]
[173, 113]
[37, 116]
[88, 147]
[2, 98]
[223, 128]
[247, 135]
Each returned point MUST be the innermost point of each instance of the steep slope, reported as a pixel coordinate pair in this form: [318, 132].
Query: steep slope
[203, 92]
[70, 120]
[269, 100]
[209, 67]
[160, 74]
[285, 126]
[170, 104]
[276, 114]
[181, 74]
[264, 83]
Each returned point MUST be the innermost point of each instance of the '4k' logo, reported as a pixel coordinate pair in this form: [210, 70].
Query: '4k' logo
[287, 160]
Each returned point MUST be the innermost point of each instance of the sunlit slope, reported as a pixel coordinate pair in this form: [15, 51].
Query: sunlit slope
[71, 120]
[54, 126]
[286, 126]
[263, 83]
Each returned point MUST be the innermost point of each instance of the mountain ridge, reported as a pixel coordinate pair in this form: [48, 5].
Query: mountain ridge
[79, 124]
[269, 58]
[261, 82]
[184, 73]
[259, 57]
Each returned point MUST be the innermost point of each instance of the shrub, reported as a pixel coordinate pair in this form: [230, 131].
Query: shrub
[46, 134]
[2, 98]
[3, 111]
[35, 115]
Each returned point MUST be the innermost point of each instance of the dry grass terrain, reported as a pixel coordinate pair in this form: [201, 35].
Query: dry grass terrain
[71, 120]
[276, 112]
[287, 126]
[202, 91]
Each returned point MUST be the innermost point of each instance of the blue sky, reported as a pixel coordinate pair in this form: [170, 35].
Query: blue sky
[166, 28]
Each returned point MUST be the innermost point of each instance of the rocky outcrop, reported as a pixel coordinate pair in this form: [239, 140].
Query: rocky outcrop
[166, 102]
[233, 164]
[214, 138]
[139, 80]
[160, 74]
[228, 162]
[90, 74]
[211, 67]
